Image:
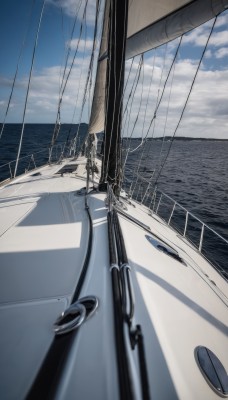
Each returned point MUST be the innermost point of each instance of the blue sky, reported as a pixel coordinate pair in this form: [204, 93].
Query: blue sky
[15, 17]
[206, 113]
[16, 23]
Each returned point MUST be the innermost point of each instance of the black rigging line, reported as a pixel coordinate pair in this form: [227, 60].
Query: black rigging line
[132, 93]
[16, 72]
[28, 87]
[64, 84]
[90, 68]
[186, 102]
[122, 288]
[136, 171]
[141, 98]
[69, 45]
[162, 94]
[76, 101]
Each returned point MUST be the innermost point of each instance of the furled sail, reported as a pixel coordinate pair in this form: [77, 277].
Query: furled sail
[151, 23]
[96, 123]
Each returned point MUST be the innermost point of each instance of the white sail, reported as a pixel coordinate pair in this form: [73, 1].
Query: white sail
[151, 24]
[97, 114]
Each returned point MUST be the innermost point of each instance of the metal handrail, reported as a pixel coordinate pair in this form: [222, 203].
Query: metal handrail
[154, 199]
[31, 159]
[186, 221]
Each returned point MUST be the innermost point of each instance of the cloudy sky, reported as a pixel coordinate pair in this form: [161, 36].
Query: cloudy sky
[207, 110]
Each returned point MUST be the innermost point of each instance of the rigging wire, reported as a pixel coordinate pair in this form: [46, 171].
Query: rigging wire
[186, 102]
[147, 100]
[141, 99]
[166, 119]
[136, 170]
[16, 72]
[27, 93]
[69, 47]
[139, 160]
[153, 120]
[160, 81]
[64, 84]
[77, 96]
[132, 95]
[90, 70]
[125, 88]
[164, 87]
[127, 148]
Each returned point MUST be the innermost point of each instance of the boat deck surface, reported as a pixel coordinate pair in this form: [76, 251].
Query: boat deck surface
[44, 238]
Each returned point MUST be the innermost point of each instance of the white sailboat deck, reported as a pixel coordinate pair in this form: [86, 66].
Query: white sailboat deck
[43, 245]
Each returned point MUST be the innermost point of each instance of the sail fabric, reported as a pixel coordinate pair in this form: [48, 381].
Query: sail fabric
[151, 23]
[96, 123]
[146, 12]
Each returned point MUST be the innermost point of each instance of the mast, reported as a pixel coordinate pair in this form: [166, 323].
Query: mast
[111, 167]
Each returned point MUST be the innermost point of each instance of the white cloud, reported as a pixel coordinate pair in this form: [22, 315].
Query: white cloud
[198, 36]
[82, 45]
[219, 38]
[44, 95]
[222, 52]
[70, 7]
[208, 54]
[205, 115]
[206, 112]
[222, 20]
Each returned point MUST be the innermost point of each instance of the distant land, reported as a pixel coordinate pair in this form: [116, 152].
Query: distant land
[185, 138]
[100, 134]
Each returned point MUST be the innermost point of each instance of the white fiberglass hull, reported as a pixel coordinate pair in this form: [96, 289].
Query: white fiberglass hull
[45, 231]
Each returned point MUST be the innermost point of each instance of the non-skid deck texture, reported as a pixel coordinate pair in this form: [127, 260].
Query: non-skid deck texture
[44, 230]
[178, 307]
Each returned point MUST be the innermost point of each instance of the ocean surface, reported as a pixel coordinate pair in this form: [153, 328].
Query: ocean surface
[195, 175]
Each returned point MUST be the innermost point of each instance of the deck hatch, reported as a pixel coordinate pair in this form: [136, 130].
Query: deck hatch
[213, 370]
[164, 248]
[67, 169]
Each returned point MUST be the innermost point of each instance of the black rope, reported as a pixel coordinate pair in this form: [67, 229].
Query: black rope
[45, 385]
[88, 254]
[47, 379]
[125, 383]
[142, 362]
[120, 240]
[111, 242]
[135, 335]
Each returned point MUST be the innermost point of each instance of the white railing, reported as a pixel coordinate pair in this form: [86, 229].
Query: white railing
[160, 199]
[204, 238]
[7, 170]
[187, 213]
